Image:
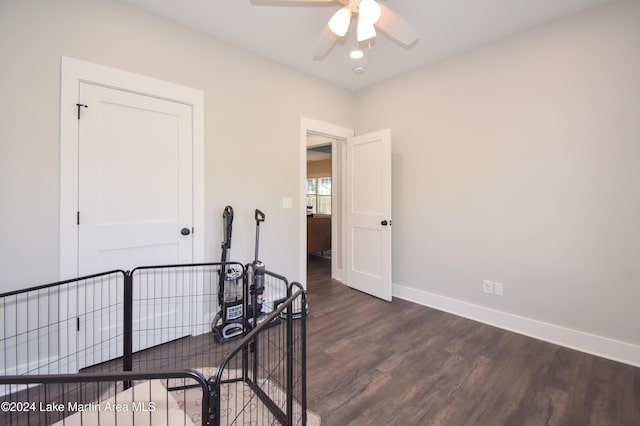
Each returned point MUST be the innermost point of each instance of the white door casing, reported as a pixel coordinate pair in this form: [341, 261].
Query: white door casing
[74, 72]
[368, 216]
[309, 125]
[135, 180]
[155, 106]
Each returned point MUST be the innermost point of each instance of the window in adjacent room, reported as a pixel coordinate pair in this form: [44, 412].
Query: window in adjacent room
[319, 195]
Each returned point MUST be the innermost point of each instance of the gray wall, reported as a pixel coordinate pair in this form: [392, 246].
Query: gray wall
[252, 123]
[519, 163]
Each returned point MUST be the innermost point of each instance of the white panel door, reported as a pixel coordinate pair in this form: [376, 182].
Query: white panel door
[368, 218]
[135, 192]
[135, 180]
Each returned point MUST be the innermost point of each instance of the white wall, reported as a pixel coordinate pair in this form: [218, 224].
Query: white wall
[252, 123]
[519, 162]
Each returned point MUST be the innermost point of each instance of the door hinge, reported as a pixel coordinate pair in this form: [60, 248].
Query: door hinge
[80, 106]
[78, 218]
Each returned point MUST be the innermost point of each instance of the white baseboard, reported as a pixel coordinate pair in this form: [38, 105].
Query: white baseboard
[590, 343]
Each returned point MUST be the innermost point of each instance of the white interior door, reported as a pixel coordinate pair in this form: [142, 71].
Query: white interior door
[368, 213]
[135, 180]
[132, 165]
[135, 197]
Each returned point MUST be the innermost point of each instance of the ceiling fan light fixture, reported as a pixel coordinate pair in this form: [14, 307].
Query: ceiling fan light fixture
[356, 54]
[365, 30]
[339, 23]
[369, 11]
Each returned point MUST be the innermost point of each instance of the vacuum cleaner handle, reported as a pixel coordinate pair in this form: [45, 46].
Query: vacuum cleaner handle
[260, 217]
[227, 218]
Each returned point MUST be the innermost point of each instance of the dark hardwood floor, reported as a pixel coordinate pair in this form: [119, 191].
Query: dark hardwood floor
[376, 363]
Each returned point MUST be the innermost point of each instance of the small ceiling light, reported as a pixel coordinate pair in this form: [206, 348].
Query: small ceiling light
[369, 11]
[340, 21]
[365, 30]
[358, 69]
[356, 54]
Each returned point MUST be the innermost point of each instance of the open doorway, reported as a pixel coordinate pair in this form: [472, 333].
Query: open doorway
[323, 200]
[361, 224]
[316, 133]
[319, 201]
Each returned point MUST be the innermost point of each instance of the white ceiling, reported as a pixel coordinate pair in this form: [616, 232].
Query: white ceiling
[288, 33]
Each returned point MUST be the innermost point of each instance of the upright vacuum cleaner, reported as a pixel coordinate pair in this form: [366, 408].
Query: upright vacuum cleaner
[228, 323]
[257, 279]
[257, 310]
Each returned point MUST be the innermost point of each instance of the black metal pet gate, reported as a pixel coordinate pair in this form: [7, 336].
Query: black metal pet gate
[137, 348]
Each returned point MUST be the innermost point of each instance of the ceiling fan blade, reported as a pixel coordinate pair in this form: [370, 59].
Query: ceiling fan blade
[324, 44]
[395, 27]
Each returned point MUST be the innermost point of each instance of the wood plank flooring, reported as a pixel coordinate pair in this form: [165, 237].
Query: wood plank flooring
[376, 363]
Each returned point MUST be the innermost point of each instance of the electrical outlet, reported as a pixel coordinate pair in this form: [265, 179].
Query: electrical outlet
[498, 289]
[487, 286]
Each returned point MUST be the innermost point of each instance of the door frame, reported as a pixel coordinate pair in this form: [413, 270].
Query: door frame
[340, 134]
[74, 71]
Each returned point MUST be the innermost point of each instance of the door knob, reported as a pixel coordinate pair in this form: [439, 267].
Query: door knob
[185, 231]
[384, 223]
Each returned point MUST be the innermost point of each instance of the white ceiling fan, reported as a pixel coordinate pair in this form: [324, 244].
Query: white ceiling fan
[370, 14]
